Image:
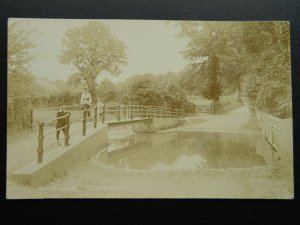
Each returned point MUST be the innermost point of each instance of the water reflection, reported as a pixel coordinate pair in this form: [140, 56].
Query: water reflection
[188, 151]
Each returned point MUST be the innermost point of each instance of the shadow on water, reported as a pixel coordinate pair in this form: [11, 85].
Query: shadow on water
[188, 151]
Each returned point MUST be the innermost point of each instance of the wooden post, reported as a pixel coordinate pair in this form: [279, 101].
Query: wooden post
[40, 149]
[131, 112]
[142, 111]
[119, 113]
[150, 111]
[147, 112]
[84, 123]
[67, 135]
[31, 119]
[127, 112]
[95, 116]
[103, 114]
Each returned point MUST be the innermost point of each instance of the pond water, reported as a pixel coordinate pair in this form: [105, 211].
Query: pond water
[186, 151]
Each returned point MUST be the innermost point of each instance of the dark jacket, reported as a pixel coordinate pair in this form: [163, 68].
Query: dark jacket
[61, 122]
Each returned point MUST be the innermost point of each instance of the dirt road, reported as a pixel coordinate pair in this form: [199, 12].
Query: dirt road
[232, 121]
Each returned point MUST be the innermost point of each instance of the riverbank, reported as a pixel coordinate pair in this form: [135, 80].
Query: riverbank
[92, 179]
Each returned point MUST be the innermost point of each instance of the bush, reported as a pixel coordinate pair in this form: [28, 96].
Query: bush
[188, 107]
[18, 113]
[276, 100]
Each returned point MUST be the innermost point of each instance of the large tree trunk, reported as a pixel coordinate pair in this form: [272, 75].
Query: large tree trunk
[92, 89]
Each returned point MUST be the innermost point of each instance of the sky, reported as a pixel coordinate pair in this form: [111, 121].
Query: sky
[152, 47]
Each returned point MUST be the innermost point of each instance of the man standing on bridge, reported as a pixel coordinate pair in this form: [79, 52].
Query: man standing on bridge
[86, 101]
[61, 122]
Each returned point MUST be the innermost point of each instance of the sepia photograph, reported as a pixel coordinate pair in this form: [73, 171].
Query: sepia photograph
[118, 108]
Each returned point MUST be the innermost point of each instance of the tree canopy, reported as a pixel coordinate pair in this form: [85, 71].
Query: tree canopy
[157, 90]
[21, 43]
[107, 90]
[20, 54]
[253, 57]
[90, 50]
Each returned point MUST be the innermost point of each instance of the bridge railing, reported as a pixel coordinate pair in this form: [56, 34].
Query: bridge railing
[78, 121]
[47, 134]
[41, 114]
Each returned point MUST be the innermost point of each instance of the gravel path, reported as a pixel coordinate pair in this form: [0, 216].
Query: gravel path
[232, 121]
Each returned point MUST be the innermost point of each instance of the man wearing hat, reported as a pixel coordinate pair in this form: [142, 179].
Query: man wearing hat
[61, 121]
[86, 101]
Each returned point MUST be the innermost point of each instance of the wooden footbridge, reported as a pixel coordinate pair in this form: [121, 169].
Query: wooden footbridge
[79, 123]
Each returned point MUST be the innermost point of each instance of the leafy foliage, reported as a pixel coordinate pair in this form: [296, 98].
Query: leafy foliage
[107, 90]
[66, 97]
[143, 91]
[212, 88]
[20, 55]
[253, 57]
[267, 46]
[156, 90]
[90, 50]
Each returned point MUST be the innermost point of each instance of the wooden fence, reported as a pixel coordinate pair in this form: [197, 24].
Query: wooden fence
[278, 133]
[204, 108]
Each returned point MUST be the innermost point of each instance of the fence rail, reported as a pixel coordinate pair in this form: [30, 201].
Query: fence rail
[78, 121]
[204, 108]
[268, 124]
[270, 129]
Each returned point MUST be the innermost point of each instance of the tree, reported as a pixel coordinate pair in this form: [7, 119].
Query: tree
[268, 74]
[20, 55]
[219, 39]
[21, 43]
[90, 50]
[107, 90]
[173, 96]
[156, 90]
[104, 87]
[212, 88]
[252, 57]
[143, 91]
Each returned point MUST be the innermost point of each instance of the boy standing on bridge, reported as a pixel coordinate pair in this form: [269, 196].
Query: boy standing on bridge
[86, 101]
[61, 121]
[100, 106]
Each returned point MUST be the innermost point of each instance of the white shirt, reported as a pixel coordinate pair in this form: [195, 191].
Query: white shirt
[100, 107]
[86, 98]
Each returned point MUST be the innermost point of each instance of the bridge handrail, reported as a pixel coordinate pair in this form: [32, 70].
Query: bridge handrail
[56, 107]
[119, 113]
